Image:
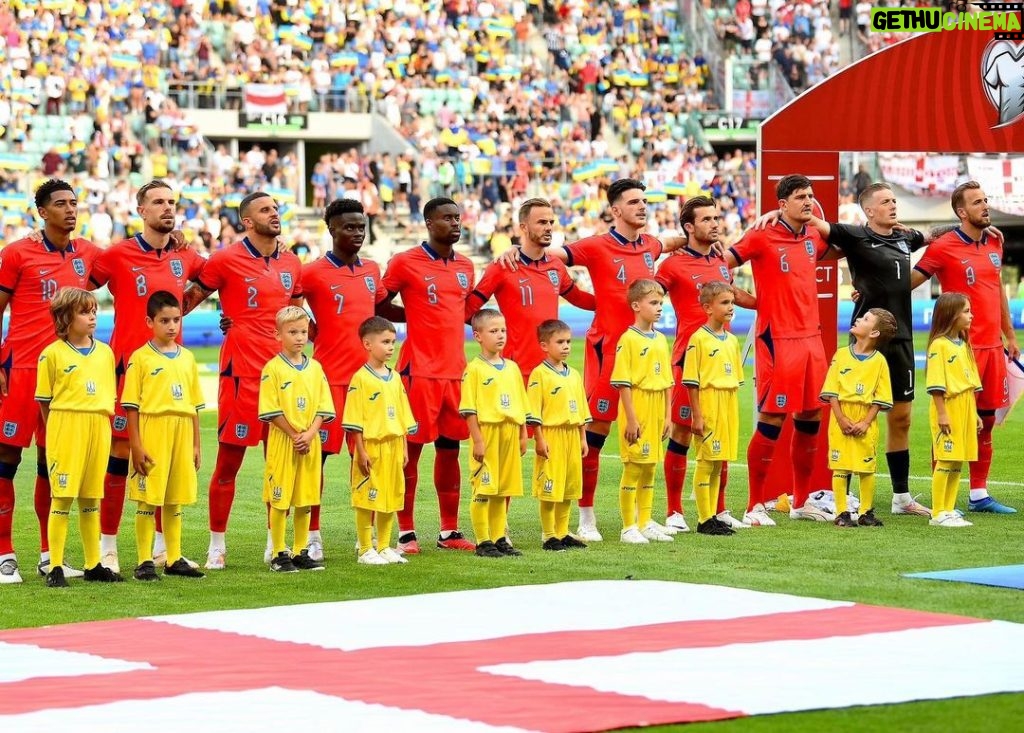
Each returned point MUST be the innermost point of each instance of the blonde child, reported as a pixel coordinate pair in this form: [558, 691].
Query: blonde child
[713, 373]
[857, 388]
[378, 415]
[951, 378]
[494, 405]
[296, 400]
[643, 376]
[558, 415]
[76, 389]
[162, 399]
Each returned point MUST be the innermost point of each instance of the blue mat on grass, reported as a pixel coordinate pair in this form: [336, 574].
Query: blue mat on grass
[1003, 576]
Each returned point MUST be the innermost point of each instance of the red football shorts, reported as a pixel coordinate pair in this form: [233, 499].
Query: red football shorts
[995, 387]
[238, 407]
[680, 400]
[598, 362]
[20, 418]
[119, 422]
[332, 433]
[790, 373]
[435, 405]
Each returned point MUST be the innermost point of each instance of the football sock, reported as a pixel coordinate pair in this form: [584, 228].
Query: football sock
[497, 517]
[301, 520]
[145, 526]
[899, 470]
[675, 476]
[314, 513]
[7, 471]
[42, 504]
[591, 467]
[627, 493]
[385, 522]
[479, 514]
[801, 453]
[222, 485]
[979, 469]
[89, 526]
[448, 481]
[702, 490]
[759, 459]
[412, 474]
[216, 540]
[952, 487]
[944, 472]
[172, 531]
[364, 528]
[723, 477]
[548, 510]
[159, 541]
[645, 494]
[112, 503]
[562, 511]
[159, 520]
[60, 509]
[867, 492]
[278, 527]
[840, 479]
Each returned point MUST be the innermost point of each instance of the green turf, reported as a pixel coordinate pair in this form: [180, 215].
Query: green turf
[801, 558]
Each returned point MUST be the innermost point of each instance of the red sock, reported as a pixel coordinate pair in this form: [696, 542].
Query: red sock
[222, 485]
[112, 503]
[980, 468]
[314, 512]
[801, 454]
[6, 515]
[158, 519]
[447, 481]
[406, 522]
[42, 502]
[591, 466]
[759, 459]
[721, 488]
[675, 477]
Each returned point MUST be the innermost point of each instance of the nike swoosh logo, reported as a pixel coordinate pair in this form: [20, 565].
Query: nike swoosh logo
[618, 260]
[908, 392]
[524, 280]
[876, 246]
[136, 269]
[428, 279]
[44, 272]
[251, 279]
[335, 287]
[964, 262]
[694, 277]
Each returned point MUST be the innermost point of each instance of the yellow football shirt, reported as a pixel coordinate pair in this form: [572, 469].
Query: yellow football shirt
[557, 397]
[951, 367]
[712, 361]
[493, 392]
[156, 383]
[858, 379]
[642, 361]
[299, 393]
[377, 406]
[71, 380]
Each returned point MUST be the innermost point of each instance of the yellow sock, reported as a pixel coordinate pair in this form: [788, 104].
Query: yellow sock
[479, 514]
[57, 528]
[702, 490]
[562, 511]
[627, 493]
[145, 531]
[867, 492]
[840, 480]
[278, 528]
[173, 516]
[716, 484]
[548, 522]
[952, 487]
[945, 473]
[385, 524]
[645, 494]
[364, 529]
[497, 517]
[89, 526]
[301, 519]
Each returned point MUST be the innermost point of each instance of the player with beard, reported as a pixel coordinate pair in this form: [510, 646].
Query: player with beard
[969, 260]
[133, 269]
[32, 271]
[255, 280]
[683, 274]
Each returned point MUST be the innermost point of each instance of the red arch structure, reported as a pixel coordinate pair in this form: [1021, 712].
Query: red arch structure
[938, 92]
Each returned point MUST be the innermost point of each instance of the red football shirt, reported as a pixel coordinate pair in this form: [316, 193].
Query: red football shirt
[31, 273]
[683, 274]
[133, 271]
[785, 278]
[614, 262]
[972, 268]
[341, 298]
[527, 297]
[253, 288]
[434, 292]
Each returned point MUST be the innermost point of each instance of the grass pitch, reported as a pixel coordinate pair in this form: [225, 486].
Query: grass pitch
[801, 558]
